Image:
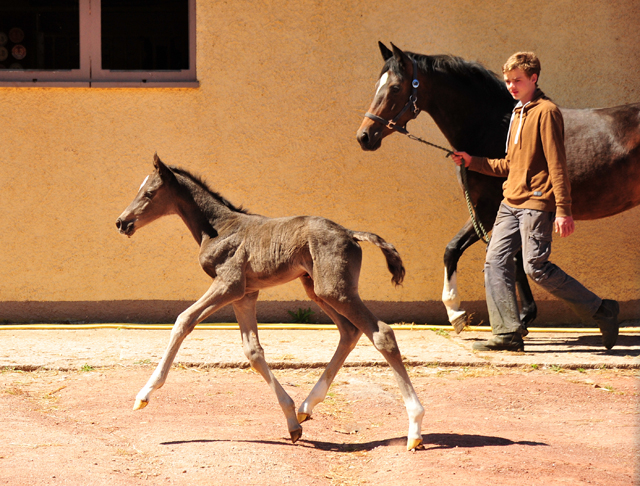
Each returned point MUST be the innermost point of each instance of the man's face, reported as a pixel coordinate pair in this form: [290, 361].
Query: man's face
[520, 85]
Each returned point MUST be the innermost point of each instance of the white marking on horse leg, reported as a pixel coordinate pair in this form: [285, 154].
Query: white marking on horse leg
[383, 338]
[451, 300]
[385, 341]
[143, 182]
[217, 296]
[319, 391]
[181, 329]
[349, 336]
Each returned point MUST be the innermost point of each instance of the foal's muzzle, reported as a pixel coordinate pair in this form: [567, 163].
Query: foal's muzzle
[126, 228]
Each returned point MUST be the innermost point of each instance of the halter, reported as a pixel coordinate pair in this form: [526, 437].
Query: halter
[393, 125]
[411, 103]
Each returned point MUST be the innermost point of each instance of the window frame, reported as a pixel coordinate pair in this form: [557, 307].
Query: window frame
[91, 74]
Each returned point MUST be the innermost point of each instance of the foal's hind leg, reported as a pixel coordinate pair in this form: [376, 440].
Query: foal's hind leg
[245, 310]
[383, 338]
[349, 335]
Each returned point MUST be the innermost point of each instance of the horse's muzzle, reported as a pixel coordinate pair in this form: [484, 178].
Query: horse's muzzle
[126, 228]
[367, 140]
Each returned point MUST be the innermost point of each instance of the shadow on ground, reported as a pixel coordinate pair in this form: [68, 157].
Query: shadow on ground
[431, 441]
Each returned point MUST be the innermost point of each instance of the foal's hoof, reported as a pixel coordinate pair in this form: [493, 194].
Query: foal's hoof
[295, 435]
[140, 404]
[303, 417]
[414, 444]
[459, 323]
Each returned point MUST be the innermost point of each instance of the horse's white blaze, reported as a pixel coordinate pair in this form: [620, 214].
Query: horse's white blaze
[382, 81]
[143, 182]
[451, 300]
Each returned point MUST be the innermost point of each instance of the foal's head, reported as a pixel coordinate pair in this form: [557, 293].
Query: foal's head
[152, 201]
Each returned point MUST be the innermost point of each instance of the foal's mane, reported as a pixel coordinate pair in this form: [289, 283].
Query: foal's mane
[198, 181]
[473, 75]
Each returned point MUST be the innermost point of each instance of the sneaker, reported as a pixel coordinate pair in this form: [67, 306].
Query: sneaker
[502, 342]
[607, 317]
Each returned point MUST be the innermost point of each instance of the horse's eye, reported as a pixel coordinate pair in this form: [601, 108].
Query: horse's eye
[148, 195]
[395, 88]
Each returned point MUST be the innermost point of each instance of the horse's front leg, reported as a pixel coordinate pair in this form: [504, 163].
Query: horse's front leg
[245, 310]
[450, 295]
[218, 295]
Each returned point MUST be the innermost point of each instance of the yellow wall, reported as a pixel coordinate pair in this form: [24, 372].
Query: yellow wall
[283, 87]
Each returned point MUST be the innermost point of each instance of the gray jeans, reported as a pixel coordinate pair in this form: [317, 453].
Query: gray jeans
[531, 230]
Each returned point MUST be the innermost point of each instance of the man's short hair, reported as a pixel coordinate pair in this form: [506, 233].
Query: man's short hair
[527, 61]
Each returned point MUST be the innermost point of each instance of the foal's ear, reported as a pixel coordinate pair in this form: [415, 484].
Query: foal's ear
[165, 172]
[384, 50]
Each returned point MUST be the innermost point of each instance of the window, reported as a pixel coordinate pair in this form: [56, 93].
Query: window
[97, 43]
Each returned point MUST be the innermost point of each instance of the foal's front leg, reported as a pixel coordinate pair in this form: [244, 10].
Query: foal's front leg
[218, 295]
[245, 310]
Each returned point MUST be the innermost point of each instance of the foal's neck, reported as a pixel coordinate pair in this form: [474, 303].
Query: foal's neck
[202, 212]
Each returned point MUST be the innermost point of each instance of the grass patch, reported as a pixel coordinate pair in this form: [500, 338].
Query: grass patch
[301, 316]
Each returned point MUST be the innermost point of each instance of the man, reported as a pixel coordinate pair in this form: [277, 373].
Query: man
[537, 200]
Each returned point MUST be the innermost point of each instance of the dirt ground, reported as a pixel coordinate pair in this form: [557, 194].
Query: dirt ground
[483, 426]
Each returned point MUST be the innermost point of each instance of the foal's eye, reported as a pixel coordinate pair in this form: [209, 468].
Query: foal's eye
[148, 195]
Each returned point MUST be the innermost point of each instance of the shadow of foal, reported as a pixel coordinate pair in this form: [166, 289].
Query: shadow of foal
[244, 253]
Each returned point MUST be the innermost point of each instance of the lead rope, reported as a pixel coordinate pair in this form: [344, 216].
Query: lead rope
[477, 224]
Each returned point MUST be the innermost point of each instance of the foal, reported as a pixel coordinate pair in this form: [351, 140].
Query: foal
[244, 253]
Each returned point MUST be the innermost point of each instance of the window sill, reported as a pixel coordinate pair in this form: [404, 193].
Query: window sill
[99, 84]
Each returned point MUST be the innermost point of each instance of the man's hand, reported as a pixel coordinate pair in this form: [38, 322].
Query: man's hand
[458, 157]
[564, 225]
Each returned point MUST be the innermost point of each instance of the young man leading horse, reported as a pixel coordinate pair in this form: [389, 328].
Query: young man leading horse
[537, 201]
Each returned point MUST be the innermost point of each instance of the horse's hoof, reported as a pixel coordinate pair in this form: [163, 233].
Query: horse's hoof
[459, 323]
[415, 444]
[140, 404]
[303, 417]
[295, 435]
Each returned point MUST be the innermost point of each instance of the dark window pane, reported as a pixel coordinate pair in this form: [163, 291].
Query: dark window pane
[145, 35]
[39, 34]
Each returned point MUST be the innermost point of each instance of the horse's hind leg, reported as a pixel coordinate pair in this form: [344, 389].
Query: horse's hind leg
[216, 297]
[349, 335]
[383, 338]
[245, 310]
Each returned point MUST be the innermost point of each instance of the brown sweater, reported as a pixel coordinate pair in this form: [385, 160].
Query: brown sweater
[535, 165]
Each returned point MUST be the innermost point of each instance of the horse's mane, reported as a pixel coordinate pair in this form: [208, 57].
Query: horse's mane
[197, 180]
[472, 74]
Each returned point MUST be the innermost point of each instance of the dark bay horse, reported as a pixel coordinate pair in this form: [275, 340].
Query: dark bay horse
[244, 253]
[472, 108]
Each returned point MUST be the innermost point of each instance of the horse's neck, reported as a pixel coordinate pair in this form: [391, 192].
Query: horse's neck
[476, 125]
[202, 214]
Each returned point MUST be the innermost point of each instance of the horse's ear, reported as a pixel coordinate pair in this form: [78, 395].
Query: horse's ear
[164, 171]
[400, 56]
[384, 50]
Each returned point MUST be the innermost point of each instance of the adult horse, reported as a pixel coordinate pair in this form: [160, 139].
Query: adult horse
[472, 108]
[244, 253]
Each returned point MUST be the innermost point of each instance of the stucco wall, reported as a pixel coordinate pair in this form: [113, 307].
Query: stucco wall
[283, 87]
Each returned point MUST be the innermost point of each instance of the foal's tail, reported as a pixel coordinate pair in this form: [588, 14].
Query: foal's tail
[394, 262]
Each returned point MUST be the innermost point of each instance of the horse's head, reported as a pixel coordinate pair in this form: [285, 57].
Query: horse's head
[394, 103]
[151, 202]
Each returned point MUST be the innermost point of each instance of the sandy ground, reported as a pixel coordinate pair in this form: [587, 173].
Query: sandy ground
[222, 426]
[503, 419]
